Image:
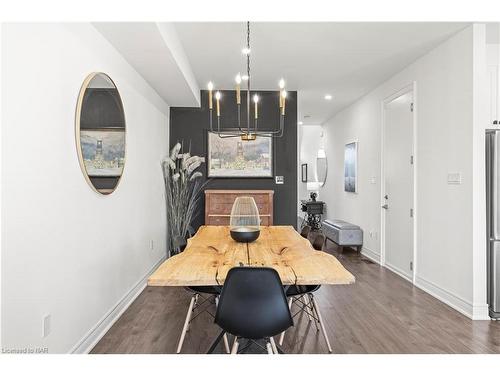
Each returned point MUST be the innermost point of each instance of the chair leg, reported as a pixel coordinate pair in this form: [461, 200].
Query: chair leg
[269, 348]
[311, 310]
[226, 342]
[216, 342]
[234, 349]
[305, 299]
[273, 345]
[320, 319]
[196, 297]
[186, 324]
[282, 336]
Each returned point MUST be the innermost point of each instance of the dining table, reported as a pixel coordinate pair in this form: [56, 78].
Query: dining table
[211, 253]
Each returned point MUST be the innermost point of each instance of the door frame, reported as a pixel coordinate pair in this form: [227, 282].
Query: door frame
[412, 87]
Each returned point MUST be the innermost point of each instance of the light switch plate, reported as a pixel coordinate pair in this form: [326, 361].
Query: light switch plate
[280, 179]
[454, 178]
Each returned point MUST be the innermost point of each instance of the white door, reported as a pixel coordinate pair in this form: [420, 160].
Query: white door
[398, 184]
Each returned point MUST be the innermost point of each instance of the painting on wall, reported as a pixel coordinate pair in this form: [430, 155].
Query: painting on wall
[232, 157]
[103, 152]
[351, 167]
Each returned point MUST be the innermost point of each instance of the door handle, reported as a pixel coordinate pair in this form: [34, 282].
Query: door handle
[385, 206]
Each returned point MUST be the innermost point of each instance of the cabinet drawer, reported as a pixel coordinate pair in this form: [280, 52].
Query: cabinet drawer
[230, 197]
[225, 208]
[224, 220]
[265, 221]
[218, 220]
[220, 207]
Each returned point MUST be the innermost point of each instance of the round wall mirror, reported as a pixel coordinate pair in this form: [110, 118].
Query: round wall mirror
[100, 133]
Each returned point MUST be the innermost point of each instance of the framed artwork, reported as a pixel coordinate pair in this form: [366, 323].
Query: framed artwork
[234, 158]
[304, 172]
[351, 167]
[103, 152]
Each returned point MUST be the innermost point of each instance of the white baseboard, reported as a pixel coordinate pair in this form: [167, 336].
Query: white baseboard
[87, 343]
[399, 272]
[474, 312]
[451, 299]
[480, 312]
[370, 254]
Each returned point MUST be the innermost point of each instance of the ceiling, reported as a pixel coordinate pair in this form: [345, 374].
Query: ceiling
[155, 52]
[345, 60]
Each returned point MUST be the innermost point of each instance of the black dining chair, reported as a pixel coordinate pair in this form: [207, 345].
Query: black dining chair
[252, 306]
[303, 297]
[305, 231]
[318, 242]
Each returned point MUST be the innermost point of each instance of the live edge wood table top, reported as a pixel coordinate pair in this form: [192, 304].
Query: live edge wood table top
[211, 253]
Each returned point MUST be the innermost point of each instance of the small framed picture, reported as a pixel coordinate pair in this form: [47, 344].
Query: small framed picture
[304, 172]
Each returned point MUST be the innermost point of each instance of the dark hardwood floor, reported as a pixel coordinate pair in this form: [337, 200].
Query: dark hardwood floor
[380, 313]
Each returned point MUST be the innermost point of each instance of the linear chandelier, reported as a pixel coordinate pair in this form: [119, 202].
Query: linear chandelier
[249, 131]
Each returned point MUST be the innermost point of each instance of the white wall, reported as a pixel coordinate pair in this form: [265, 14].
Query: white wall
[310, 140]
[444, 213]
[66, 250]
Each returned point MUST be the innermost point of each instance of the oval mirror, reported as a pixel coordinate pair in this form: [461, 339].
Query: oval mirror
[321, 167]
[100, 133]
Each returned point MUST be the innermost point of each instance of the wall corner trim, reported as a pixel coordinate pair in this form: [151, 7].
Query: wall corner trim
[398, 271]
[92, 337]
[451, 299]
[370, 254]
[480, 312]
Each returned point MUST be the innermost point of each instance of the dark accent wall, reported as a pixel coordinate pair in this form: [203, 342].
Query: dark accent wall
[191, 125]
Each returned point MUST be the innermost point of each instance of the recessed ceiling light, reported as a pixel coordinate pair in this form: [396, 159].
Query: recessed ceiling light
[328, 97]
[300, 122]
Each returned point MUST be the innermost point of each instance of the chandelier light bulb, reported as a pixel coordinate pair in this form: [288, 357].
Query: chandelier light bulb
[283, 94]
[246, 51]
[210, 86]
[244, 77]
[238, 79]
[256, 98]
[217, 95]
[328, 97]
[282, 83]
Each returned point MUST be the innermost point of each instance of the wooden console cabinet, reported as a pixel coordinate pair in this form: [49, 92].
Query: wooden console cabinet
[218, 204]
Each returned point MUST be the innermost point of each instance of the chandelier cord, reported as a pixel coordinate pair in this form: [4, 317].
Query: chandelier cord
[248, 74]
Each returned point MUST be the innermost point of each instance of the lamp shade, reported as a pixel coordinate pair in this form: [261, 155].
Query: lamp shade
[245, 220]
